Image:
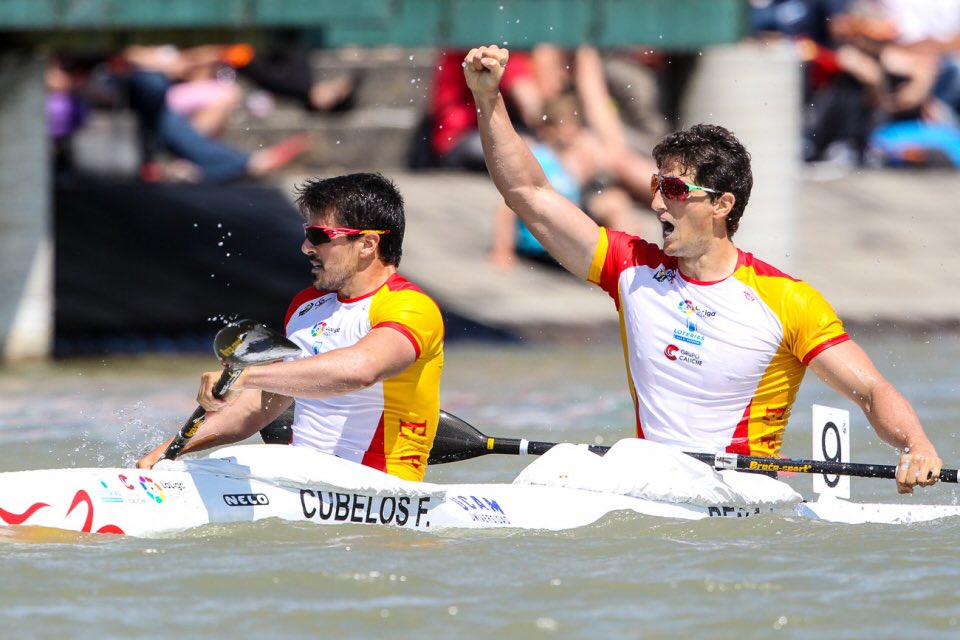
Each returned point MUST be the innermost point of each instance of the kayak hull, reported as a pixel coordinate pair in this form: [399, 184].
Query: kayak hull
[256, 482]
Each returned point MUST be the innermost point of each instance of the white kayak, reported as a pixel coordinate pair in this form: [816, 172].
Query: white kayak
[245, 483]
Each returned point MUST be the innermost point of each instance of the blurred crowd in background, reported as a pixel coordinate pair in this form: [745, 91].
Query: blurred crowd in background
[881, 87]
[881, 77]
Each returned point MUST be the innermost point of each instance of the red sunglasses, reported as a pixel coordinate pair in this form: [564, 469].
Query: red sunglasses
[316, 234]
[674, 188]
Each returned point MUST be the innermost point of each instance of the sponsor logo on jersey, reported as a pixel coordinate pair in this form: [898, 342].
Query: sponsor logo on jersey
[305, 309]
[664, 274]
[323, 329]
[690, 337]
[673, 352]
[688, 308]
[313, 303]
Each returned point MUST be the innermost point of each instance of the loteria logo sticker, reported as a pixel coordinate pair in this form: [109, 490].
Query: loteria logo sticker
[690, 337]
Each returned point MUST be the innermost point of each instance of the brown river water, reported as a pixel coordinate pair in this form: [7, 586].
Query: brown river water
[628, 576]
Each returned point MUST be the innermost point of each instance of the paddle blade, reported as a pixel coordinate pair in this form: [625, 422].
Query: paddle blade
[248, 342]
[456, 440]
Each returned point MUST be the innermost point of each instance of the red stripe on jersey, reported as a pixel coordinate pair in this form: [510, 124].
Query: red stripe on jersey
[374, 455]
[740, 442]
[823, 346]
[761, 268]
[304, 296]
[625, 251]
[402, 329]
[397, 282]
[636, 409]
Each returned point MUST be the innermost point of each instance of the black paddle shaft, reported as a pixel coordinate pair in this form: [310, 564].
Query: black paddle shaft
[459, 440]
[199, 416]
[237, 345]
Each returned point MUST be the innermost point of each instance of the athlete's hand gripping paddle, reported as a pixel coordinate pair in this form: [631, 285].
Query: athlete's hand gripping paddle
[238, 345]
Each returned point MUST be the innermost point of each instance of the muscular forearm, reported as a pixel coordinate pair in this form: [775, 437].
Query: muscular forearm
[512, 166]
[566, 232]
[323, 376]
[894, 420]
[238, 421]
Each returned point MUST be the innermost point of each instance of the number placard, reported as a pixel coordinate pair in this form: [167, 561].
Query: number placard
[831, 443]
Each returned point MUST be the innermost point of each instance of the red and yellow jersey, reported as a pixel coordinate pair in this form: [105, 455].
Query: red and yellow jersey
[389, 426]
[712, 366]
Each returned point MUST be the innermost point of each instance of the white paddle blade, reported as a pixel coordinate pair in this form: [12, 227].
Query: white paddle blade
[831, 442]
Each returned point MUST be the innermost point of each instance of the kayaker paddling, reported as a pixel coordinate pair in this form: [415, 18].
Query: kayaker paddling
[367, 387]
[716, 341]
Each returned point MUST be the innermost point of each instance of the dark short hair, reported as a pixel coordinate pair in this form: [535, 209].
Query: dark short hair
[716, 159]
[358, 201]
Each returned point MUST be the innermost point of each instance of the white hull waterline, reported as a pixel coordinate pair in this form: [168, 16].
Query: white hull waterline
[256, 482]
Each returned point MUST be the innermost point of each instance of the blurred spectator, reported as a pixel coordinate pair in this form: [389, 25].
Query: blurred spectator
[572, 160]
[882, 77]
[581, 72]
[145, 73]
[582, 147]
[896, 51]
[795, 18]
[202, 88]
[633, 78]
[454, 139]
[286, 71]
[66, 107]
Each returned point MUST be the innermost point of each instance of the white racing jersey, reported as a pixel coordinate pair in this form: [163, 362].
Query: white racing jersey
[390, 425]
[712, 366]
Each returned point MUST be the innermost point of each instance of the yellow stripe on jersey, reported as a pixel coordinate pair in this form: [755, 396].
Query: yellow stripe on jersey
[599, 257]
[411, 400]
[809, 325]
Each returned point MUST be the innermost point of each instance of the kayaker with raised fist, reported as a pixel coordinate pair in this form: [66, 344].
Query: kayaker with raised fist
[716, 341]
[367, 387]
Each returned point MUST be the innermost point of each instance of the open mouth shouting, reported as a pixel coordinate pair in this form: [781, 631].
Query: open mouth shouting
[668, 229]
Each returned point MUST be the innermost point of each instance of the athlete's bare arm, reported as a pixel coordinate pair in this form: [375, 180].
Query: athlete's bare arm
[849, 371]
[251, 411]
[564, 230]
[382, 353]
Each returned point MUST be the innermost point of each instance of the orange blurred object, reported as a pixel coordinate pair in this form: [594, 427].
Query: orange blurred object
[238, 55]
